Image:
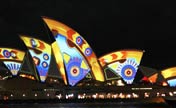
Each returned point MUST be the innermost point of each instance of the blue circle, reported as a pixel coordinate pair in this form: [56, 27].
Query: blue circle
[33, 43]
[6, 53]
[45, 56]
[79, 40]
[44, 64]
[74, 71]
[73, 79]
[69, 67]
[88, 51]
[128, 67]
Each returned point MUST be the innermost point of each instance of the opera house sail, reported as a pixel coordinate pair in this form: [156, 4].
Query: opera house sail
[170, 76]
[12, 58]
[41, 55]
[78, 57]
[124, 63]
[67, 68]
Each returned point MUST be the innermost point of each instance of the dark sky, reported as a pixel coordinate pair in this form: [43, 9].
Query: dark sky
[107, 25]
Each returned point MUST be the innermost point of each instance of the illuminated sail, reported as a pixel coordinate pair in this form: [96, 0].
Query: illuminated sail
[170, 75]
[75, 64]
[12, 58]
[153, 78]
[41, 54]
[59, 29]
[172, 82]
[149, 74]
[125, 63]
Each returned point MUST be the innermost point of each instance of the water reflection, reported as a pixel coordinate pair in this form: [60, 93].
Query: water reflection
[85, 105]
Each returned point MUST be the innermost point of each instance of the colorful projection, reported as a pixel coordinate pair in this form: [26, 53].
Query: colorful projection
[172, 82]
[41, 54]
[79, 43]
[75, 64]
[12, 58]
[170, 75]
[125, 63]
[153, 78]
[14, 67]
[59, 61]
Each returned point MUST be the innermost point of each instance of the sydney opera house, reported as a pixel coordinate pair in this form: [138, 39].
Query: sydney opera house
[69, 69]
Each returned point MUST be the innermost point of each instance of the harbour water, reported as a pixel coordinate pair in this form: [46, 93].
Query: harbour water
[87, 105]
[159, 103]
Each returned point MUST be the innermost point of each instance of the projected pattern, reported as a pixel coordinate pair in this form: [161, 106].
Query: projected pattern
[41, 54]
[76, 66]
[12, 58]
[170, 76]
[153, 78]
[59, 61]
[14, 67]
[125, 63]
[58, 28]
[172, 82]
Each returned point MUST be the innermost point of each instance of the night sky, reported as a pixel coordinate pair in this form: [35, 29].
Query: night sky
[107, 25]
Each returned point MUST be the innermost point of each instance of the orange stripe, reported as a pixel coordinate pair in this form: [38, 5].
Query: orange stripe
[114, 56]
[42, 46]
[70, 33]
[124, 54]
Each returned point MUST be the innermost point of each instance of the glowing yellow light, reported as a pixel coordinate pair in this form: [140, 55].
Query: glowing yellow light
[170, 72]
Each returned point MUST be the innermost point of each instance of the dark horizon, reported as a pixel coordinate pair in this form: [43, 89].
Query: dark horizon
[107, 25]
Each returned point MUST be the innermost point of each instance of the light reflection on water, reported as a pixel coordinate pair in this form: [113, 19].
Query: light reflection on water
[85, 105]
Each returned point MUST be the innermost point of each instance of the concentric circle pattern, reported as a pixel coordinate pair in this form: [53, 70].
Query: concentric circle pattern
[79, 40]
[127, 70]
[88, 51]
[6, 53]
[33, 43]
[45, 57]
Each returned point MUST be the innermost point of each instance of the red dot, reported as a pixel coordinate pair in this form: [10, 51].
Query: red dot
[78, 39]
[128, 72]
[74, 71]
[7, 54]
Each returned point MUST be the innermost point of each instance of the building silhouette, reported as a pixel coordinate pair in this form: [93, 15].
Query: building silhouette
[69, 64]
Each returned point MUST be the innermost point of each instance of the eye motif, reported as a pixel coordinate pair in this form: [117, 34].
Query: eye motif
[33, 43]
[45, 56]
[79, 40]
[127, 70]
[88, 51]
[6, 53]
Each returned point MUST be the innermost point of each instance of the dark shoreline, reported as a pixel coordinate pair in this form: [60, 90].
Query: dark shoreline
[92, 103]
[120, 101]
[85, 104]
